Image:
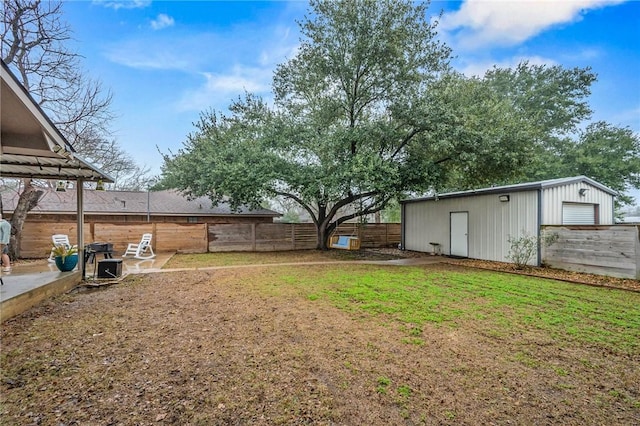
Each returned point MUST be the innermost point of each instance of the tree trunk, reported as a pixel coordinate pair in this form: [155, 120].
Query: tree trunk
[325, 229]
[27, 201]
[321, 227]
[323, 237]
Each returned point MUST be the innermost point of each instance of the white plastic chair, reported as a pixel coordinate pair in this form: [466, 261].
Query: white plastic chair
[58, 240]
[142, 250]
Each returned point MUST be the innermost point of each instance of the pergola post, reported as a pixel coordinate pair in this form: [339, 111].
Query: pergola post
[80, 226]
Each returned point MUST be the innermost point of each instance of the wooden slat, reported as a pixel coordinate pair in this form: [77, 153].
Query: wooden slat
[180, 237]
[280, 236]
[120, 235]
[36, 237]
[604, 250]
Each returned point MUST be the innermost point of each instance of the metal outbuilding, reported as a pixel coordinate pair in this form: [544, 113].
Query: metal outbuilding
[478, 223]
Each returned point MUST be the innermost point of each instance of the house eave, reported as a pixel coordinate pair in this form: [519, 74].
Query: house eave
[32, 146]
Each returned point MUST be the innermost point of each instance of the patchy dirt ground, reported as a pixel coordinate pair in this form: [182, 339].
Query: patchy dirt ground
[221, 348]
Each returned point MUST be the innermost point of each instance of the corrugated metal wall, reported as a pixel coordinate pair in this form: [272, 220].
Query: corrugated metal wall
[552, 199]
[491, 222]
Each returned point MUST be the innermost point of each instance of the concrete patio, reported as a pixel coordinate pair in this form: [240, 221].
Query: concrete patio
[31, 282]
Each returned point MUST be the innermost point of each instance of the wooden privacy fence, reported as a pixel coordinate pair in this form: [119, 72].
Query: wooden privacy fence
[261, 237]
[200, 237]
[298, 236]
[167, 237]
[612, 250]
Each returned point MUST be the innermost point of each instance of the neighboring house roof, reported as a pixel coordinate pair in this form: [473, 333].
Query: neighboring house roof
[543, 184]
[32, 146]
[168, 202]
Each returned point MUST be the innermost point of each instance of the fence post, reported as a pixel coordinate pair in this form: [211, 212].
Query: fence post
[253, 237]
[154, 230]
[386, 234]
[206, 235]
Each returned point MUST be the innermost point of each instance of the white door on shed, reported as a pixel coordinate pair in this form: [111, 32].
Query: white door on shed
[460, 234]
[578, 214]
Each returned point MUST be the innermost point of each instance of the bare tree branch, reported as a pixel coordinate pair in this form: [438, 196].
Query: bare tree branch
[34, 44]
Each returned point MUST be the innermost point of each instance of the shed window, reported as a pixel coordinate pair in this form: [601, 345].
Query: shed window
[192, 219]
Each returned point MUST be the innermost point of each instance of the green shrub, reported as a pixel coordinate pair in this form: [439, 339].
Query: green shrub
[523, 248]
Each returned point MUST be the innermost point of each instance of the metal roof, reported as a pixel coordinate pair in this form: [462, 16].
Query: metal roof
[543, 184]
[30, 144]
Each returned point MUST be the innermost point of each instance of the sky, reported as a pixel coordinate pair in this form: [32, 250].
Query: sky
[166, 62]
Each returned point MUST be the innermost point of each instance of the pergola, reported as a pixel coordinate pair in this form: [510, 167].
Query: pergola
[32, 147]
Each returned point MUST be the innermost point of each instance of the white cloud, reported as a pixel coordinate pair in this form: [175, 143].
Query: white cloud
[204, 52]
[283, 46]
[219, 89]
[506, 23]
[123, 4]
[239, 81]
[143, 54]
[162, 21]
[217, 67]
[588, 54]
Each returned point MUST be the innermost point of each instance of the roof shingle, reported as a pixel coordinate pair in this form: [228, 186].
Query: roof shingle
[167, 202]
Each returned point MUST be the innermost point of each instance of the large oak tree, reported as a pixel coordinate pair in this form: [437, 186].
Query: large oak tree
[367, 110]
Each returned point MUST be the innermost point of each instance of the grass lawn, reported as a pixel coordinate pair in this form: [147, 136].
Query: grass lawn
[327, 344]
[500, 304]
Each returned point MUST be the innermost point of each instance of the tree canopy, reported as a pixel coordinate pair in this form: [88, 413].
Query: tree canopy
[366, 111]
[556, 101]
[369, 111]
[606, 153]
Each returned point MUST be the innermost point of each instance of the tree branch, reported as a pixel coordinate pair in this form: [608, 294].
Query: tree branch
[302, 204]
[369, 210]
[350, 199]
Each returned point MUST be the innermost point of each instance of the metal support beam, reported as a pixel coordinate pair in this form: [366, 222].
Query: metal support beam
[80, 226]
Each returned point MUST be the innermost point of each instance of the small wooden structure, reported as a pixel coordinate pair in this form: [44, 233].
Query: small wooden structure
[344, 242]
